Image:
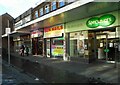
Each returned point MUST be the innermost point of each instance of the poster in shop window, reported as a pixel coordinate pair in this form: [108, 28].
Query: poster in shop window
[81, 44]
[57, 50]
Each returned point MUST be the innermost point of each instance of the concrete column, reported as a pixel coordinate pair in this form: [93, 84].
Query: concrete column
[66, 55]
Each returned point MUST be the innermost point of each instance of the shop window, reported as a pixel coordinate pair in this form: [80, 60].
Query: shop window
[57, 47]
[41, 11]
[47, 8]
[61, 3]
[53, 4]
[36, 14]
[78, 43]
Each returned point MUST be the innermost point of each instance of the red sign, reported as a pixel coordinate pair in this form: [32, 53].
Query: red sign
[36, 33]
[54, 31]
[59, 27]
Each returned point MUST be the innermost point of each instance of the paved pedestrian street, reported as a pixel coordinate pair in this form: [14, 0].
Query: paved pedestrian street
[12, 76]
[58, 70]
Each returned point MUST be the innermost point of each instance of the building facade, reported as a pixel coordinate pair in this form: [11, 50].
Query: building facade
[77, 30]
[22, 37]
[94, 38]
[6, 21]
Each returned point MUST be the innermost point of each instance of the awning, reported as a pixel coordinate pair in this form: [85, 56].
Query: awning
[16, 33]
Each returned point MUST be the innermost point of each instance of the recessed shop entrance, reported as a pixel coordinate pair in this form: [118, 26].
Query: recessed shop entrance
[37, 46]
[104, 44]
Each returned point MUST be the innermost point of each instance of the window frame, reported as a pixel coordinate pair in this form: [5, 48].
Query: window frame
[47, 10]
[61, 1]
[41, 11]
[36, 14]
[53, 4]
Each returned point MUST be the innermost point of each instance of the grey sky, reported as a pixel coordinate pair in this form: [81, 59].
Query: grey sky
[16, 7]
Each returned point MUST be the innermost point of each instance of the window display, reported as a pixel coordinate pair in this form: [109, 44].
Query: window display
[77, 43]
[57, 47]
[81, 47]
[101, 44]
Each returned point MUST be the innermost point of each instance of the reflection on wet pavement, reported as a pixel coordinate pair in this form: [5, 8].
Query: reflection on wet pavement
[13, 76]
[58, 74]
[48, 73]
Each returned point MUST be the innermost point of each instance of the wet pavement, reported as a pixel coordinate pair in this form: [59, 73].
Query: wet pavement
[59, 71]
[14, 76]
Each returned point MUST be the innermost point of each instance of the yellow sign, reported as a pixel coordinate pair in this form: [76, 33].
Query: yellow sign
[58, 50]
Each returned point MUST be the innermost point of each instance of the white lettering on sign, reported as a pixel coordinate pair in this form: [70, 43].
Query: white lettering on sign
[100, 21]
[105, 20]
[93, 22]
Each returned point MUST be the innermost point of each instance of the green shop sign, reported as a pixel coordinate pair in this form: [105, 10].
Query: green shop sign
[105, 20]
[106, 50]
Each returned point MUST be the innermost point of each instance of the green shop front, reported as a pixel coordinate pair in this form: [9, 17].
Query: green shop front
[94, 38]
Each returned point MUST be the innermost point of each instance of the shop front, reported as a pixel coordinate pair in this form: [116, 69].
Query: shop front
[22, 40]
[17, 44]
[94, 38]
[37, 42]
[54, 37]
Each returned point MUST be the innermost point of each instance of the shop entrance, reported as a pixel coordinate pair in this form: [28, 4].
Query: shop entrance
[105, 47]
[105, 43]
[37, 46]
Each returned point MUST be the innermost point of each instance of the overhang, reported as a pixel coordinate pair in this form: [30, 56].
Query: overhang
[16, 33]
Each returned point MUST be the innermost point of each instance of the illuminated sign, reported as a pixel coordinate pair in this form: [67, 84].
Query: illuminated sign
[105, 20]
[106, 50]
[54, 31]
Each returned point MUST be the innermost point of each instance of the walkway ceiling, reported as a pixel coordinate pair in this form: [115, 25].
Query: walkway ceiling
[19, 33]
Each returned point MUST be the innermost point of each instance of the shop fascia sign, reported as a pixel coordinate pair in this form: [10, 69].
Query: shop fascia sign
[104, 21]
[55, 28]
[54, 31]
[36, 33]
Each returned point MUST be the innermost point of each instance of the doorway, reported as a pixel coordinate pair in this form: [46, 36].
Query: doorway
[103, 44]
[37, 46]
[105, 47]
[48, 47]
